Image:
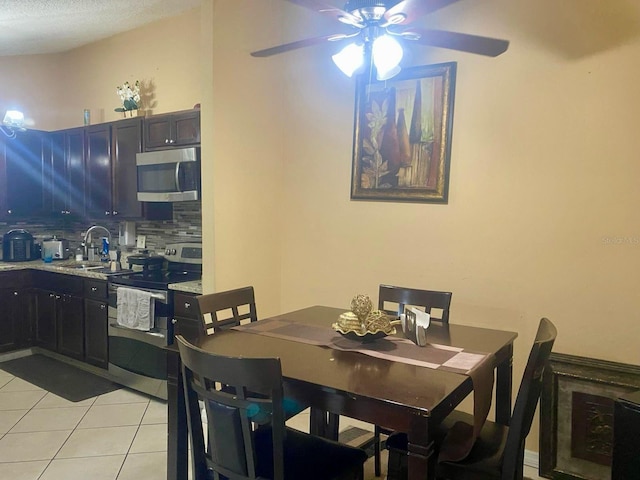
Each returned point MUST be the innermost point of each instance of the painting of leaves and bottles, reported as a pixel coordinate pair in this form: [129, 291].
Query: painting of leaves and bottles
[402, 139]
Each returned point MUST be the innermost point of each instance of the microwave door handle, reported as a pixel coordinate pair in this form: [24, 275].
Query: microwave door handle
[178, 187]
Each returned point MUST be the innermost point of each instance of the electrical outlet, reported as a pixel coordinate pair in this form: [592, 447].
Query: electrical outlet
[141, 241]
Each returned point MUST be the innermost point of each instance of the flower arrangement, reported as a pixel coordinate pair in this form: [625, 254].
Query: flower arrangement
[130, 96]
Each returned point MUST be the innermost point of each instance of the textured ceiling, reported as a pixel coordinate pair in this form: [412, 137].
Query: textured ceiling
[52, 26]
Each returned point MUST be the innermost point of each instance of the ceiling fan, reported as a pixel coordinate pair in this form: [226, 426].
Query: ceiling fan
[376, 25]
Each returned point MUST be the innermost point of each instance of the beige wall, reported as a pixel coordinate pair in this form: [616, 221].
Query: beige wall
[53, 90]
[543, 172]
[543, 169]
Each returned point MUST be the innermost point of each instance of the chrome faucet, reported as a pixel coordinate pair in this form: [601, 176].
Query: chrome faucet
[85, 243]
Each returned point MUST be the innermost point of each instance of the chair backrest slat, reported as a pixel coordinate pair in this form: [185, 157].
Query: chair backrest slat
[429, 299]
[218, 304]
[527, 399]
[238, 395]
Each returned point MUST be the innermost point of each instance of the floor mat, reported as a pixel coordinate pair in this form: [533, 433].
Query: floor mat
[58, 377]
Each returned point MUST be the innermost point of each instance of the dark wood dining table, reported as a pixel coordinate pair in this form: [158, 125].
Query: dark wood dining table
[395, 395]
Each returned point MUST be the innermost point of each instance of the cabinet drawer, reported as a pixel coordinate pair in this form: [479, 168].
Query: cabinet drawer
[96, 289]
[186, 306]
[59, 282]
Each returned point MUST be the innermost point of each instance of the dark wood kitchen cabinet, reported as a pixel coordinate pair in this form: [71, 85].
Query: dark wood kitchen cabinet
[63, 172]
[186, 316]
[96, 323]
[15, 302]
[98, 165]
[22, 164]
[178, 129]
[59, 323]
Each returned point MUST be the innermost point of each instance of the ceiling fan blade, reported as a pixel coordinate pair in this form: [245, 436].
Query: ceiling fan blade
[331, 10]
[286, 47]
[491, 47]
[412, 9]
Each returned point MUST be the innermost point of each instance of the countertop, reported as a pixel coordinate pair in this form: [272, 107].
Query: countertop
[70, 267]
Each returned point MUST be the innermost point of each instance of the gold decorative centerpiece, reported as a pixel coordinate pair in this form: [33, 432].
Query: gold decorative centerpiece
[363, 323]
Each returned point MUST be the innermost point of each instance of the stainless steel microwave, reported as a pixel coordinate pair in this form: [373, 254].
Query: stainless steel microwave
[169, 175]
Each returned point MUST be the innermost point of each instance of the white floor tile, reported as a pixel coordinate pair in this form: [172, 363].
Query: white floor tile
[8, 418]
[121, 396]
[20, 400]
[93, 442]
[113, 415]
[156, 413]
[147, 466]
[4, 379]
[24, 447]
[50, 419]
[23, 470]
[150, 438]
[19, 385]
[50, 400]
[94, 468]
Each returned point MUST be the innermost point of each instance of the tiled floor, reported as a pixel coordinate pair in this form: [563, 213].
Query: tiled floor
[117, 436]
[120, 435]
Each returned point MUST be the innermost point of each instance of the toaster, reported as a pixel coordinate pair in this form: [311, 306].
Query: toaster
[56, 249]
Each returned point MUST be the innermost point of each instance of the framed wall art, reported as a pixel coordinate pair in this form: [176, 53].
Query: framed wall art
[402, 135]
[576, 415]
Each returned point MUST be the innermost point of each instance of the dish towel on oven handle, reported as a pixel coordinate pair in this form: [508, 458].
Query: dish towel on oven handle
[135, 309]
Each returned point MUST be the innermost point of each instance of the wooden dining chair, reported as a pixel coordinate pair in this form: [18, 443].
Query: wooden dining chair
[227, 309]
[246, 437]
[498, 452]
[400, 297]
[392, 300]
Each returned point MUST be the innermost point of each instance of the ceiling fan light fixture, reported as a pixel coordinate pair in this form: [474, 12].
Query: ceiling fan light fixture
[14, 119]
[349, 59]
[387, 54]
[13, 122]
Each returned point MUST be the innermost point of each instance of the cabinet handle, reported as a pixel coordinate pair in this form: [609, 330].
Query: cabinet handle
[172, 141]
[51, 295]
[115, 212]
[102, 306]
[9, 212]
[94, 289]
[166, 140]
[174, 321]
[107, 213]
[15, 294]
[58, 297]
[187, 305]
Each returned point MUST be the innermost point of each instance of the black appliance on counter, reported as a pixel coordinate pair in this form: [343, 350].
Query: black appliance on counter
[138, 358]
[18, 246]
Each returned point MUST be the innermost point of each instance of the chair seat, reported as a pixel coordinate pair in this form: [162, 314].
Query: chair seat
[309, 457]
[483, 462]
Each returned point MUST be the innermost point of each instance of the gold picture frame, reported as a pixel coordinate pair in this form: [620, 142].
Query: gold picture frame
[402, 135]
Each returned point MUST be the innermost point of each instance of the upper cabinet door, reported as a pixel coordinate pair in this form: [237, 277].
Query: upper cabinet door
[24, 174]
[126, 137]
[98, 171]
[74, 146]
[172, 130]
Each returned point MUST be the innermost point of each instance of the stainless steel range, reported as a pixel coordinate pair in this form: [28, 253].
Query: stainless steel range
[137, 358]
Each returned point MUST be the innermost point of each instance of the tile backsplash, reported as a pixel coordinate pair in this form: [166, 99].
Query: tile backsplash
[186, 226]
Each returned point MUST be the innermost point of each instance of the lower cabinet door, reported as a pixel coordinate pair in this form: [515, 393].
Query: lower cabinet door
[96, 341]
[45, 324]
[70, 326]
